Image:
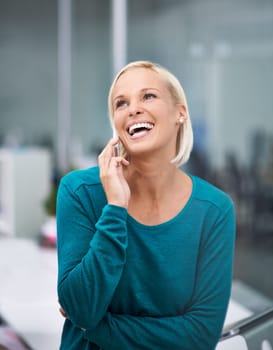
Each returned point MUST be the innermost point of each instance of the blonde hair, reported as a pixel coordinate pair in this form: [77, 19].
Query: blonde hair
[184, 142]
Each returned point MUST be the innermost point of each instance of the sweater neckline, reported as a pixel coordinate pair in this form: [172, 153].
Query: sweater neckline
[171, 220]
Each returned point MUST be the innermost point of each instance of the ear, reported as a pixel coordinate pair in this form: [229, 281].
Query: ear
[182, 113]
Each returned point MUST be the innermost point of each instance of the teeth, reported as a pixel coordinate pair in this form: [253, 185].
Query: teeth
[146, 125]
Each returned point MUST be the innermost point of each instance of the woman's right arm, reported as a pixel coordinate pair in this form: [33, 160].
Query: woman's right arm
[91, 256]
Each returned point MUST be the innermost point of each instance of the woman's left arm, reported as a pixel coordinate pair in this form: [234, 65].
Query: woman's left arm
[200, 327]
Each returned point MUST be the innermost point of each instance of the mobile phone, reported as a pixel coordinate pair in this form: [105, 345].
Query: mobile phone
[116, 147]
[116, 150]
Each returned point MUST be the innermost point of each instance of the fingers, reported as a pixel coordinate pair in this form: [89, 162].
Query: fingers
[123, 161]
[63, 313]
[109, 157]
[108, 150]
[117, 161]
[107, 153]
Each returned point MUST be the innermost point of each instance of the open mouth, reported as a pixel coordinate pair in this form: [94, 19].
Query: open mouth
[139, 129]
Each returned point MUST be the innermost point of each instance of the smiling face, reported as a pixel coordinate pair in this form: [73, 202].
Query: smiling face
[145, 115]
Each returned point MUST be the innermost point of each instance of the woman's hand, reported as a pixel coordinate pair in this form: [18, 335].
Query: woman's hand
[62, 312]
[112, 176]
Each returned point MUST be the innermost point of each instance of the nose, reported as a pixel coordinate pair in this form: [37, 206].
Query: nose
[135, 109]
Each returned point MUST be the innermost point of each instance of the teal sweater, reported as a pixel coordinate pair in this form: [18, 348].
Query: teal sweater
[129, 286]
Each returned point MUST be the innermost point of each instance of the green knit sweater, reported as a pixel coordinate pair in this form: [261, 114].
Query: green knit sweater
[129, 286]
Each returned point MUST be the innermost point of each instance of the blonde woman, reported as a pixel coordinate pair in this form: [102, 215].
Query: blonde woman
[145, 250]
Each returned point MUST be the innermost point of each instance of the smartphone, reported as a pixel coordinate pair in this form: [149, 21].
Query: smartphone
[116, 147]
[116, 150]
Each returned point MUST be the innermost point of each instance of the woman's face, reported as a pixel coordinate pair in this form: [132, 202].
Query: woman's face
[144, 113]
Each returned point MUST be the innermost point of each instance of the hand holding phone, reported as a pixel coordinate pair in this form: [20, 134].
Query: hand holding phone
[112, 173]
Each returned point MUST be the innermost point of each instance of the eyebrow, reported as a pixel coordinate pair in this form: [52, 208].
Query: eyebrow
[142, 90]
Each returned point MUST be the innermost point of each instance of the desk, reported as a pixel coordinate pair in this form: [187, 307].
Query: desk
[28, 294]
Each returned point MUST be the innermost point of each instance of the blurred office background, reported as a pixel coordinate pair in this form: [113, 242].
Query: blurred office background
[57, 61]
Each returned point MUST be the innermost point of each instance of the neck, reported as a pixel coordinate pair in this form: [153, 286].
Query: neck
[152, 179]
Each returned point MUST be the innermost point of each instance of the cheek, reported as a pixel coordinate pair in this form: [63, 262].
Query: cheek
[117, 120]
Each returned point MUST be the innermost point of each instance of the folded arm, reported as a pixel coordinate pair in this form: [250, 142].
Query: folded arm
[200, 327]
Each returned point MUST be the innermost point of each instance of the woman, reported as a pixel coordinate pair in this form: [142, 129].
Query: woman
[145, 250]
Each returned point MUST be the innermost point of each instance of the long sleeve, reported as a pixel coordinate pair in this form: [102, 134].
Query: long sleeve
[91, 255]
[199, 327]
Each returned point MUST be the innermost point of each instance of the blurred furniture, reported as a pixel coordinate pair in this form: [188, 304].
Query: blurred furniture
[28, 293]
[25, 175]
[252, 333]
[237, 342]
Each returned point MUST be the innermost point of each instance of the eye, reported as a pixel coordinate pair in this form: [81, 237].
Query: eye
[149, 96]
[120, 103]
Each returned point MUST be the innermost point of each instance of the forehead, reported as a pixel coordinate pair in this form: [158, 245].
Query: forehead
[136, 79]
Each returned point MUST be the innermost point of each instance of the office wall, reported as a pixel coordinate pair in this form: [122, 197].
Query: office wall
[28, 70]
[220, 50]
[91, 73]
[246, 104]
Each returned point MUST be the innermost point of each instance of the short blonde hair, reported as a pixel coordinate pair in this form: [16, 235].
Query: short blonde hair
[184, 142]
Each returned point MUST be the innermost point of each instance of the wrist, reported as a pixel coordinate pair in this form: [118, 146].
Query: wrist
[118, 204]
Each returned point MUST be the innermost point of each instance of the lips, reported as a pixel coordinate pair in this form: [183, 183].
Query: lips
[139, 128]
